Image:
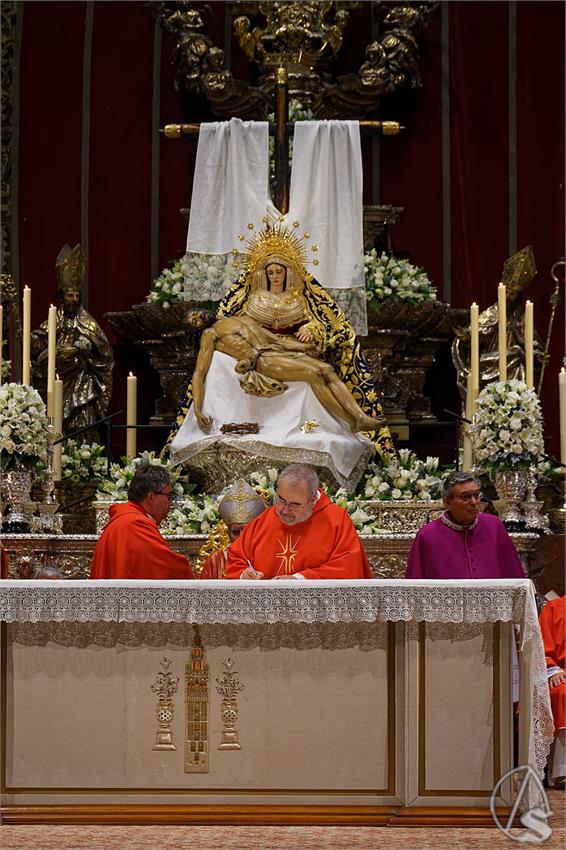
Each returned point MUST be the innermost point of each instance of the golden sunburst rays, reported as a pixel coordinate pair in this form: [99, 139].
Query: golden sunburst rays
[275, 240]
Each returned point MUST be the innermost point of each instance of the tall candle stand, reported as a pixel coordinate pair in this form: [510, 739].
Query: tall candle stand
[48, 519]
[534, 520]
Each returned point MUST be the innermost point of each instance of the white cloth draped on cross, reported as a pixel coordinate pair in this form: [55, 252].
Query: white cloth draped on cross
[231, 190]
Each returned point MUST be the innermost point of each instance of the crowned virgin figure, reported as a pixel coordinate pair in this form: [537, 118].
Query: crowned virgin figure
[283, 363]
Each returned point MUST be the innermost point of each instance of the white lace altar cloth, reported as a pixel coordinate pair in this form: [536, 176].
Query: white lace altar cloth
[318, 603]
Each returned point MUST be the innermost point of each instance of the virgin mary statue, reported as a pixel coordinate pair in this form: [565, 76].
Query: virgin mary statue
[239, 414]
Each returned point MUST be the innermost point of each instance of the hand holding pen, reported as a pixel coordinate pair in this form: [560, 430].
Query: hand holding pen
[251, 573]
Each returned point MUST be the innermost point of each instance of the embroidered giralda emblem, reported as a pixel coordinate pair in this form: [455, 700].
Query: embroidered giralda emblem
[287, 555]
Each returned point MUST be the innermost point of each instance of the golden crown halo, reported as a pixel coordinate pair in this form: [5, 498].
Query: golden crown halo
[275, 240]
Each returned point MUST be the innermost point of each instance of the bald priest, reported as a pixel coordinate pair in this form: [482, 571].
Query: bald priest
[303, 536]
[131, 545]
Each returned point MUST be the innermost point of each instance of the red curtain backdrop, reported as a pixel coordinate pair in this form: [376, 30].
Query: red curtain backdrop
[478, 151]
[540, 118]
[49, 155]
[120, 156]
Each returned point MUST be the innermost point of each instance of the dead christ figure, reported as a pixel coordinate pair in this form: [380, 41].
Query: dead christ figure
[265, 360]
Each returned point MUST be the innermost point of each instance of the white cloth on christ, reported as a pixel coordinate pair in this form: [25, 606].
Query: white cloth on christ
[331, 445]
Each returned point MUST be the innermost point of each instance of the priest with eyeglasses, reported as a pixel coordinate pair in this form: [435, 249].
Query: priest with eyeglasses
[303, 536]
[463, 543]
[131, 545]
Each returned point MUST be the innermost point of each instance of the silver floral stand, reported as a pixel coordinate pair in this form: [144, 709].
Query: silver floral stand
[16, 497]
[511, 486]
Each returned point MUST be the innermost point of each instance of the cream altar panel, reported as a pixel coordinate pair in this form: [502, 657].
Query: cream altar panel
[460, 713]
[307, 719]
[380, 699]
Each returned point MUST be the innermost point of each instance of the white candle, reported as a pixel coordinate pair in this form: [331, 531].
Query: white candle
[529, 341]
[502, 318]
[131, 415]
[474, 353]
[467, 458]
[1, 341]
[58, 404]
[562, 399]
[51, 358]
[26, 336]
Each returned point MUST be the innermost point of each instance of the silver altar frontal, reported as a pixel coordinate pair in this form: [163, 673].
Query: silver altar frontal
[72, 553]
[365, 701]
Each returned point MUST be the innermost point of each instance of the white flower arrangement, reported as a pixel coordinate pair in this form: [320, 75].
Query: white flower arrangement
[195, 276]
[404, 478]
[169, 285]
[395, 279]
[507, 427]
[23, 428]
[83, 463]
[208, 277]
[363, 522]
[115, 485]
[265, 482]
[196, 514]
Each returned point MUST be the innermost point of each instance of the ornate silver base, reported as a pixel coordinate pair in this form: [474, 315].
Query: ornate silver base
[510, 486]
[16, 493]
[534, 518]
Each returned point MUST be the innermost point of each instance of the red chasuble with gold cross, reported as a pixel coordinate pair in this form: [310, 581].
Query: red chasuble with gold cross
[324, 546]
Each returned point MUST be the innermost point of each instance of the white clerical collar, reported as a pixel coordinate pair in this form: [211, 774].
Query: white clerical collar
[449, 520]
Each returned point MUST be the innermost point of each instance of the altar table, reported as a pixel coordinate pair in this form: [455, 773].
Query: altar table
[371, 702]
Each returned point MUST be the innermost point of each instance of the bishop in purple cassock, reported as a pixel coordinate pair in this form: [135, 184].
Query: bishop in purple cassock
[463, 543]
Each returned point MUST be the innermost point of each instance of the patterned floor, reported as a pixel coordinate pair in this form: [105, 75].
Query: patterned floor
[273, 837]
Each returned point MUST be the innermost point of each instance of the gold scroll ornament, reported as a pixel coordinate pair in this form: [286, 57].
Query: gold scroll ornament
[165, 685]
[228, 686]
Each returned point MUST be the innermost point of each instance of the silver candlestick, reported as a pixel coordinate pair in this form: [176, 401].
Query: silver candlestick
[49, 520]
[531, 506]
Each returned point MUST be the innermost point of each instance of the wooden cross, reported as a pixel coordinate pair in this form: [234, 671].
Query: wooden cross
[282, 131]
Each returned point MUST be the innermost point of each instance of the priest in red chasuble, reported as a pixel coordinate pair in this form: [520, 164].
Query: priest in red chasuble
[553, 627]
[303, 536]
[131, 545]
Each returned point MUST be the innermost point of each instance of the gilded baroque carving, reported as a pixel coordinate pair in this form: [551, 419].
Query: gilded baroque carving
[396, 516]
[303, 38]
[197, 708]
